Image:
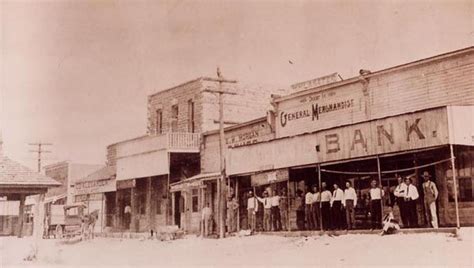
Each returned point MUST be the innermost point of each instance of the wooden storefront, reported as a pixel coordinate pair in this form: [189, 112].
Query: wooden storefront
[357, 148]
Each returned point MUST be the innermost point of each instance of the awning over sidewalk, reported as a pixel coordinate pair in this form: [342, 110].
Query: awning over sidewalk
[55, 198]
[141, 157]
[194, 181]
[422, 129]
[101, 181]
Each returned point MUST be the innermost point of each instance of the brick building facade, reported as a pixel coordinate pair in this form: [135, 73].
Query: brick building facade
[171, 150]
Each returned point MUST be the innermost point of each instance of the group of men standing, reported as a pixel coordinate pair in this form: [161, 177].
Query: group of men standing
[323, 209]
[275, 210]
[407, 195]
[326, 210]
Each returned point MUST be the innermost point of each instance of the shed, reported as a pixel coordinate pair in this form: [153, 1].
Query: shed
[17, 182]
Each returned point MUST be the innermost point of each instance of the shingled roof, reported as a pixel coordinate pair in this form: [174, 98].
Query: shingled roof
[14, 174]
[107, 172]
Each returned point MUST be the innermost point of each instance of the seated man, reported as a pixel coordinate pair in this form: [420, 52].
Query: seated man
[390, 225]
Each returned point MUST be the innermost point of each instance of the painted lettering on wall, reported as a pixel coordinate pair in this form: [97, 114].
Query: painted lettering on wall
[315, 111]
[243, 139]
[359, 140]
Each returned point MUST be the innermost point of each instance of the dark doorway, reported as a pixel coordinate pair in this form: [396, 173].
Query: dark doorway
[177, 209]
[109, 208]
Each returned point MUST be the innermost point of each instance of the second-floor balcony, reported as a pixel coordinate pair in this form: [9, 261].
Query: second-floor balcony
[174, 142]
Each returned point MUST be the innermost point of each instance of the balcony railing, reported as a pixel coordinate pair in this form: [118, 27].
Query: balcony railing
[183, 141]
[173, 142]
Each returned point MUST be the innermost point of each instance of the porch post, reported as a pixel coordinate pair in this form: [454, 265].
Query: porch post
[238, 201]
[288, 211]
[169, 206]
[117, 210]
[453, 166]
[21, 216]
[320, 203]
[102, 212]
[149, 205]
[173, 209]
[133, 205]
[379, 172]
[38, 220]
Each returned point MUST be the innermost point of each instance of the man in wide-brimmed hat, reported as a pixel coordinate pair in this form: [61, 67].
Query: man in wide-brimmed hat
[430, 195]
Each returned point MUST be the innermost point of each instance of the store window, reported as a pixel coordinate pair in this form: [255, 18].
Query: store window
[195, 200]
[465, 189]
[159, 121]
[141, 196]
[174, 118]
[191, 123]
[158, 205]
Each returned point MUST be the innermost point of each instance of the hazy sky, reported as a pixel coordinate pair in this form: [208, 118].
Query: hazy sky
[77, 73]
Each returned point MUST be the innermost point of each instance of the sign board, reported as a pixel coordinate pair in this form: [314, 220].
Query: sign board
[125, 184]
[95, 186]
[417, 130]
[142, 165]
[249, 134]
[320, 81]
[269, 177]
[320, 110]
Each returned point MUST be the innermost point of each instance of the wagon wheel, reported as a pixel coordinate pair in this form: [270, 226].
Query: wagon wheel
[59, 233]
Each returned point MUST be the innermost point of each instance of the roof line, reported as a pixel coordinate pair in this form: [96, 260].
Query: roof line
[356, 79]
[236, 126]
[201, 78]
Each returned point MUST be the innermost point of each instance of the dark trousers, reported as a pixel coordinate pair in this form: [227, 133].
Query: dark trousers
[276, 219]
[403, 213]
[326, 215]
[336, 212]
[350, 214]
[316, 215]
[376, 213]
[300, 219]
[308, 212]
[412, 216]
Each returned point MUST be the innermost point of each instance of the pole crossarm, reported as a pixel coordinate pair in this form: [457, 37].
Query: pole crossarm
[222, 80]
[40, 151]
[220, 91]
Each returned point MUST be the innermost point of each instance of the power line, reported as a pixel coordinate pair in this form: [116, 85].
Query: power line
[40, 151]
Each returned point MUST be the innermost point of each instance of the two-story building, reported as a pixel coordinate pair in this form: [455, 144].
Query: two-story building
[170, 151]
[402, 121]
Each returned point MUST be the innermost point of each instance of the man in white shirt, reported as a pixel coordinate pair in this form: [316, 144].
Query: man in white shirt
[399, 193]
[127, 216]
[350, 202]
[275, 210]
[430, 193]
[206, 220]
[308, 211]
[252, 208]
[267, 210]
[316, 207]
[336, 207]
[325, 206]
[411, 196]
[376, 194]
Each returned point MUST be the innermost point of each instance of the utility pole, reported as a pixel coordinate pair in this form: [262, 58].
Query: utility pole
[40, 151]
[220, 183]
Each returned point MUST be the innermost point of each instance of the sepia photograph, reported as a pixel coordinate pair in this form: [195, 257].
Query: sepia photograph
[227, 133]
